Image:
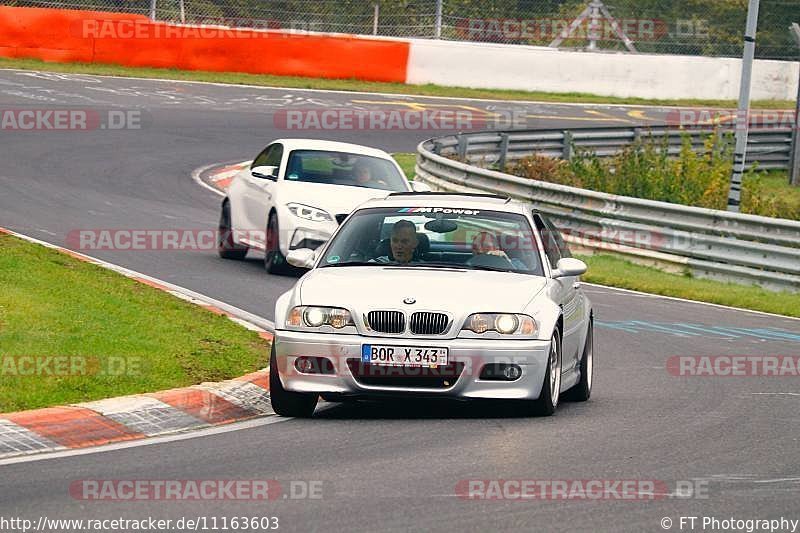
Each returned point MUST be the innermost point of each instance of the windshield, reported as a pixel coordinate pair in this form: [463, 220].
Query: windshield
[341, 168]
[436, 238]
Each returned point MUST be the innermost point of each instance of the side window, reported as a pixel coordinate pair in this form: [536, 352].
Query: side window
[271, 156]
[560, 242]
[261, 159]
[274, 155]
[550, 246]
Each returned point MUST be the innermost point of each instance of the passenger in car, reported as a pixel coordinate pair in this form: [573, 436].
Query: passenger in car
[487, 252]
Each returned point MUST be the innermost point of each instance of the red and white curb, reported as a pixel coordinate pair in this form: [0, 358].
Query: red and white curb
[141, 416]
[217, 177]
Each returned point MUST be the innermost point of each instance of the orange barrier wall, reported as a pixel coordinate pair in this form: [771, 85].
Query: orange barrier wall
[133, 40]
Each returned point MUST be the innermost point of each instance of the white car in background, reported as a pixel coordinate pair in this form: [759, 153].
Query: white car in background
[297, 191]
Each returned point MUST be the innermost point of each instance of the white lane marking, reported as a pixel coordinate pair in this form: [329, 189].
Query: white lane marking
[392, 95]
[659, 296]
[775, 394]
[236, 426]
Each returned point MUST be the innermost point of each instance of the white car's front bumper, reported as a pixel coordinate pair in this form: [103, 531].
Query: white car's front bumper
[298, 232]
[462, 379]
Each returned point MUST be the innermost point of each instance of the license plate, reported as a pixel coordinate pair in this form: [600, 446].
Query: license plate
[379, 354]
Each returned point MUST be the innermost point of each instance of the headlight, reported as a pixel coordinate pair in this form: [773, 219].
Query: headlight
[309, 213]
[315, 317]
[504, 323]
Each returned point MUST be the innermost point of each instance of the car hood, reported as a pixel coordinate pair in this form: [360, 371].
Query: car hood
[334, 199]
[362, 288]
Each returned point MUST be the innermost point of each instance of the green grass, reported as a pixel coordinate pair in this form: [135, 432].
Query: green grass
[54, 305]
[236, 78]
[605, 269]
[406, 162]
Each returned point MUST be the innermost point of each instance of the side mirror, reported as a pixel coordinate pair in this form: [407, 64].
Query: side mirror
[418, 186]
[569, 266]
[302, 257]
[265, 172]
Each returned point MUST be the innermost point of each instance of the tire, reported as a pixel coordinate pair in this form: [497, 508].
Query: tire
[274, 261]
[548, 399]
[284, 402]
[226, 248]
[582, 390]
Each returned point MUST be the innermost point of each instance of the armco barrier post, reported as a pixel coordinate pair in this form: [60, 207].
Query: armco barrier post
[566, 150]
[463, 143]
[501, 160]
[794, 164]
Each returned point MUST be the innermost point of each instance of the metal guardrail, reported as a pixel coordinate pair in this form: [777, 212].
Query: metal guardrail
[769, 149]
[710, 243]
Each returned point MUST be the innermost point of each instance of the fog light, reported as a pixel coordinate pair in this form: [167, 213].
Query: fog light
[501, 372]
[512, 372]
[304, 365]
[314, 365]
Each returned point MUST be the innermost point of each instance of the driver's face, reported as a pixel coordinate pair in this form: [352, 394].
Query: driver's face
[403, 242]
[363, 175]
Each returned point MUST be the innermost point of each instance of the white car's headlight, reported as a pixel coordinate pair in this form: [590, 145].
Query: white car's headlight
[311, 316]
[309, 213]
[503, 323]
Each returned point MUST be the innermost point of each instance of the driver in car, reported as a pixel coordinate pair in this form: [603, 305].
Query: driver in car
[403, 243]
[363, 176]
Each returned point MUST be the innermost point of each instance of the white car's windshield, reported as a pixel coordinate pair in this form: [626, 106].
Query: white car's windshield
[341, 168]
[436, 237]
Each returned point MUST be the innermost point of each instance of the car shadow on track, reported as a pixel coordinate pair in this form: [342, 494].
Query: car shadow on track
[427, 409]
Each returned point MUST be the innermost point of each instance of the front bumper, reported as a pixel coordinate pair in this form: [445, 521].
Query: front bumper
[298, 232]
[468, 356]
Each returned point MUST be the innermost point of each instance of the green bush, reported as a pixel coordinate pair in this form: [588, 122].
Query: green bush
[645, 170]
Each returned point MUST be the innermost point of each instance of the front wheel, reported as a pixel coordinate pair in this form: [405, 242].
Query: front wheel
[226, 247]
[284, 402]
[274, 261]
[547, 402]
[583, 389]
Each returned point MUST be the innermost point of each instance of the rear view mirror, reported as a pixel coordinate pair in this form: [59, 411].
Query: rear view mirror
[302, 257]
[569, 266]
[441, 225]
[265, 172]
[418, 186]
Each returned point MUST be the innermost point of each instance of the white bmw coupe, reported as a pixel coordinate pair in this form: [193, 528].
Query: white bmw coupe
[437, 295]
[297, 191]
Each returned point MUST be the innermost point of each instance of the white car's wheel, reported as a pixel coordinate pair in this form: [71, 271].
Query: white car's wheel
[547, 402]
[284, 402]
[226, 247]
[582, 390]
[274, 261]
